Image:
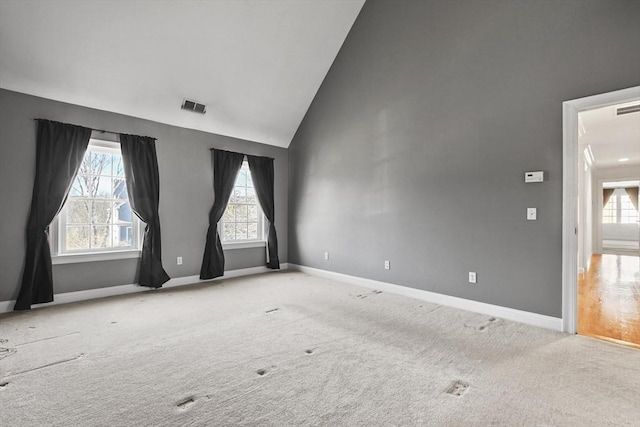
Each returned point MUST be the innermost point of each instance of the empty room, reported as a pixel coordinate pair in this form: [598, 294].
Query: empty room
[319, 212]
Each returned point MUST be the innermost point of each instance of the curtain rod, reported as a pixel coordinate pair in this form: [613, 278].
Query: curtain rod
[219, 149]
[96, 130]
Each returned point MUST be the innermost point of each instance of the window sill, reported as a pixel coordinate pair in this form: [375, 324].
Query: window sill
[101, 256]
[243, 245]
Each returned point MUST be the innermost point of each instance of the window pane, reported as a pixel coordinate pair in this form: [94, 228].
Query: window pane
[241, 179]
[249, 180]
[123, 235]
[229, 213]
[251, 196]
[85, 166]
[241, 213]
[118, 166]
[123, 212]
[120, 189]
[609, 211]
[102, 211]
[79, 187]
[240, 195]
[252, 213]
[90, 184]
[78, 211]
[241, 231]
[229, 232]
[101, 163]
[628, 212]
[252, 232]
[103, 187]
[101, 236]
[77, 238]
[629, 216]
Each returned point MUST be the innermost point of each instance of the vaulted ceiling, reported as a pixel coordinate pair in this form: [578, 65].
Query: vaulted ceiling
[255, 64]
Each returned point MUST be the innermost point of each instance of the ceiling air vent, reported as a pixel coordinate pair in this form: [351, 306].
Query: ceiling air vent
[629, 109]
[194, 106]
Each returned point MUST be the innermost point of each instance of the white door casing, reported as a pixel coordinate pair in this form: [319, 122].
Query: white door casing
[570, 110]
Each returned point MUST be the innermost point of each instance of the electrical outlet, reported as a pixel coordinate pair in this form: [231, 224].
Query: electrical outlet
[387, 265]
[472, 277]
[326, 255]
[179, 260]
[532, 214]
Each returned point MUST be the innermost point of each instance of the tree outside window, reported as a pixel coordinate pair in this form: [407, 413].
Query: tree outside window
[97, 215]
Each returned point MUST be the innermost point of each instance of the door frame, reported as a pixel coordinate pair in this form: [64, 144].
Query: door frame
[570, 110]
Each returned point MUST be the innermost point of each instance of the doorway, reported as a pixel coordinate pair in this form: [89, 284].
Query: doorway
[582, 210]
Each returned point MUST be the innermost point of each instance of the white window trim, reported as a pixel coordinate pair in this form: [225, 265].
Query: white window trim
[97, 256]
[244, 244]
[56, 241]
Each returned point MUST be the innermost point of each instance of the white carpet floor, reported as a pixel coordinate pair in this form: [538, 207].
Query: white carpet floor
[287, 349]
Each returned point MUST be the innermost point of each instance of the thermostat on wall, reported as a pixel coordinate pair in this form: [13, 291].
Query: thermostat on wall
[534, 176]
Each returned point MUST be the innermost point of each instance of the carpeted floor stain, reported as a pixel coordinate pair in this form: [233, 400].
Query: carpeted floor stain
[186, 403]
[482, 326]
[367, 294]
[458, 388]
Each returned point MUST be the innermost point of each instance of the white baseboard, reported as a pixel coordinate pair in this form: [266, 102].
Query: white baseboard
[540, 320]
[534, 319]
[67, 297]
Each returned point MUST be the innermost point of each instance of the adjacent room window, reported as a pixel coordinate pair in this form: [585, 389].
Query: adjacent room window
[610, 210]
[243, 219]
[619, 209]
[97, 216]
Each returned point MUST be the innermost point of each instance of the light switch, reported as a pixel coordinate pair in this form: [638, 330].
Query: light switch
[532, 214]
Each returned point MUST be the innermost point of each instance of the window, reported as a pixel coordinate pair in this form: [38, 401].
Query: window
[619, 209]
[97, 216]
[243, 219]
[609, 212]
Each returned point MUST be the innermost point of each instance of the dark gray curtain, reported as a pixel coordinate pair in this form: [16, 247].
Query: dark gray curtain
[262, 174]
[143, 185]
[632, 192]
[226, 165]
[60, 148]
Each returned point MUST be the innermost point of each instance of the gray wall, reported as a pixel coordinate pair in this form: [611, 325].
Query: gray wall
[415, 146]
[186, 193]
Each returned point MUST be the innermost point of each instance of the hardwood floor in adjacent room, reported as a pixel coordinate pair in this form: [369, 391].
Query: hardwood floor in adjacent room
[609, 299]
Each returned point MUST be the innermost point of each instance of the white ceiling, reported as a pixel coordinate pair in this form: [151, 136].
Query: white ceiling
[257, 65]
[611, 137]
